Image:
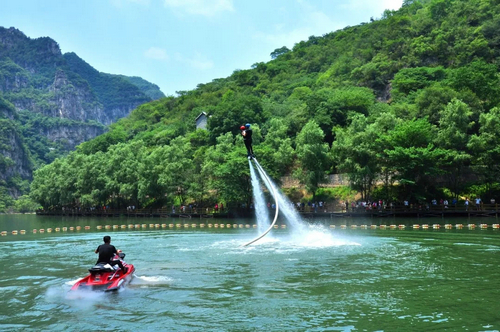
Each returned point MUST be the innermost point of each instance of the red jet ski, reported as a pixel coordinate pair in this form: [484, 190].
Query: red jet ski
[104, 277]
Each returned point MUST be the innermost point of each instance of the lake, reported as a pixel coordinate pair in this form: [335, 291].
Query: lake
[318, 279]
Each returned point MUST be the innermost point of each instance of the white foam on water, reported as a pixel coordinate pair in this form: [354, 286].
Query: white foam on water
[72, 282]
[151, 280]
[318, 238]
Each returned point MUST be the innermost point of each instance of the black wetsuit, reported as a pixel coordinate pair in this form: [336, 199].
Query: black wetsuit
[106, 253]
[247, 138]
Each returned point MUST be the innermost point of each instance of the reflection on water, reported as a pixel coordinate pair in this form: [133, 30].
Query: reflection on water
[190, 280]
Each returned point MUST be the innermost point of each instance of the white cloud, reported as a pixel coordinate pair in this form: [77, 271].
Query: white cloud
[156, 53]
[312, 23]
[200, 7]
[198, 61]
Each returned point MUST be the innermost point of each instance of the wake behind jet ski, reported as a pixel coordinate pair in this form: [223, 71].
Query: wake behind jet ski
[106, 277]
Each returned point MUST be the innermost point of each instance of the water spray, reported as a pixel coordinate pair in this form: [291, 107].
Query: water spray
[276, 202]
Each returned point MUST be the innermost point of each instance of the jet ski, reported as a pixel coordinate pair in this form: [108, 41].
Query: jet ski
[105, 277]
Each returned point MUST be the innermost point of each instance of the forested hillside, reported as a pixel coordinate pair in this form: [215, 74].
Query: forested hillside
[50, 103]
[409, 101]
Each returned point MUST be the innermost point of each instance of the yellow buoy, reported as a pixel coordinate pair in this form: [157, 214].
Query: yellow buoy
[383, 226]
[202, 225]
[107, 227]
[151, 225]
[58, 229]
[34, 231]
[49, 230]
[343, 226]
[392, 226]
[254, 225]
[332, 226]
[448, 226]
[71, 228]
[3, 233]
[373, 226]
[123, 226]
[144, 226]
[222, 225]
[459, 226]
[163, 225]
[241, 225]
[42, 230]
[99, 227]
[354, 226]
[65, 229]
[157, 225]
[14, 232]
[484, 226]
[401, 226]
[78, 228]
[23, 231]
[186, 225]
[283, 226]
[247, 226]
[194, 225]
[171, 225]
[86, 228]
[496, 226]
[115, 226]
[425, 226]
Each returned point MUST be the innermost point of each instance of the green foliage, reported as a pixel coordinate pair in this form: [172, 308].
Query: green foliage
[404, 101]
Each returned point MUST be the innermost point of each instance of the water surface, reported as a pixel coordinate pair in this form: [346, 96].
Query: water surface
[202, 279]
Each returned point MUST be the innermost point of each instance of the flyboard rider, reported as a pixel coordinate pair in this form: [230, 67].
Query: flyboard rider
[246, 132]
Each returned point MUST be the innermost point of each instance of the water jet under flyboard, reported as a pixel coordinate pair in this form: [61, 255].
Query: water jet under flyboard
[273, 192]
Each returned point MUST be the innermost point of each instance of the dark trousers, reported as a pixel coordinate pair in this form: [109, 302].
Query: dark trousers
[248, 145]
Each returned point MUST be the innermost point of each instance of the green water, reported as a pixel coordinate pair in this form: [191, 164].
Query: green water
[202, 280]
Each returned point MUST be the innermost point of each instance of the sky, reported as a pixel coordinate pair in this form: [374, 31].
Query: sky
[178, 44]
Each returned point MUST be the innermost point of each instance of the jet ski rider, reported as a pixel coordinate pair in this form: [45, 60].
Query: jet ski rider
[107, 252]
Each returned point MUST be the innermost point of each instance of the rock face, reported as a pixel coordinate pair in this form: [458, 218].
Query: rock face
[47, 98]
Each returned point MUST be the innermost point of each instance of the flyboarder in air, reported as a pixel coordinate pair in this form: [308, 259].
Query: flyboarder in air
[246, 131]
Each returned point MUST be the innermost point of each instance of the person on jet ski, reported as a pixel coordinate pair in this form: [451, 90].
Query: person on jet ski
[107, 252]
[246, 131]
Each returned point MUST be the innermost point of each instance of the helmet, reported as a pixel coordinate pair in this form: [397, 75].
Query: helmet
[242, 128]
[247, 125]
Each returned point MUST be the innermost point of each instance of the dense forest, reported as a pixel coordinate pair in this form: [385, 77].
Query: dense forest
[407, 105]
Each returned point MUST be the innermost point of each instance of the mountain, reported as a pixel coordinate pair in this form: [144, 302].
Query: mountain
[51, 102]
[410, 100]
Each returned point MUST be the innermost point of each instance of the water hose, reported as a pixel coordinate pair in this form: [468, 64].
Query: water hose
[276, 201]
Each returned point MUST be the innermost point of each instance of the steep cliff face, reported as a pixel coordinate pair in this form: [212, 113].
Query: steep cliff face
[15, 162]
[50, 102]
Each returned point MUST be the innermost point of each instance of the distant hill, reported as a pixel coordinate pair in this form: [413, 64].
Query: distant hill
[50, 102]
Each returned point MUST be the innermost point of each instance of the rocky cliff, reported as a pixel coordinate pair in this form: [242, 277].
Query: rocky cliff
[50, 102]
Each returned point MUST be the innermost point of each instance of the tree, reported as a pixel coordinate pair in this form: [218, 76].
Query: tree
[279, 51]
[408, 152]
[312, 156]
[485, 147]
[452, 136]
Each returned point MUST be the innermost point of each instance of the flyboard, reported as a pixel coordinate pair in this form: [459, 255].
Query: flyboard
[277, 208]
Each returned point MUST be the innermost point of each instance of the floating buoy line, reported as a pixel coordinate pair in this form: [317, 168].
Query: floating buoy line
[248, 226]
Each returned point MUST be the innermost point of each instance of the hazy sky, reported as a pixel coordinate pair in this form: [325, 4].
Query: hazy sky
[177, 44]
